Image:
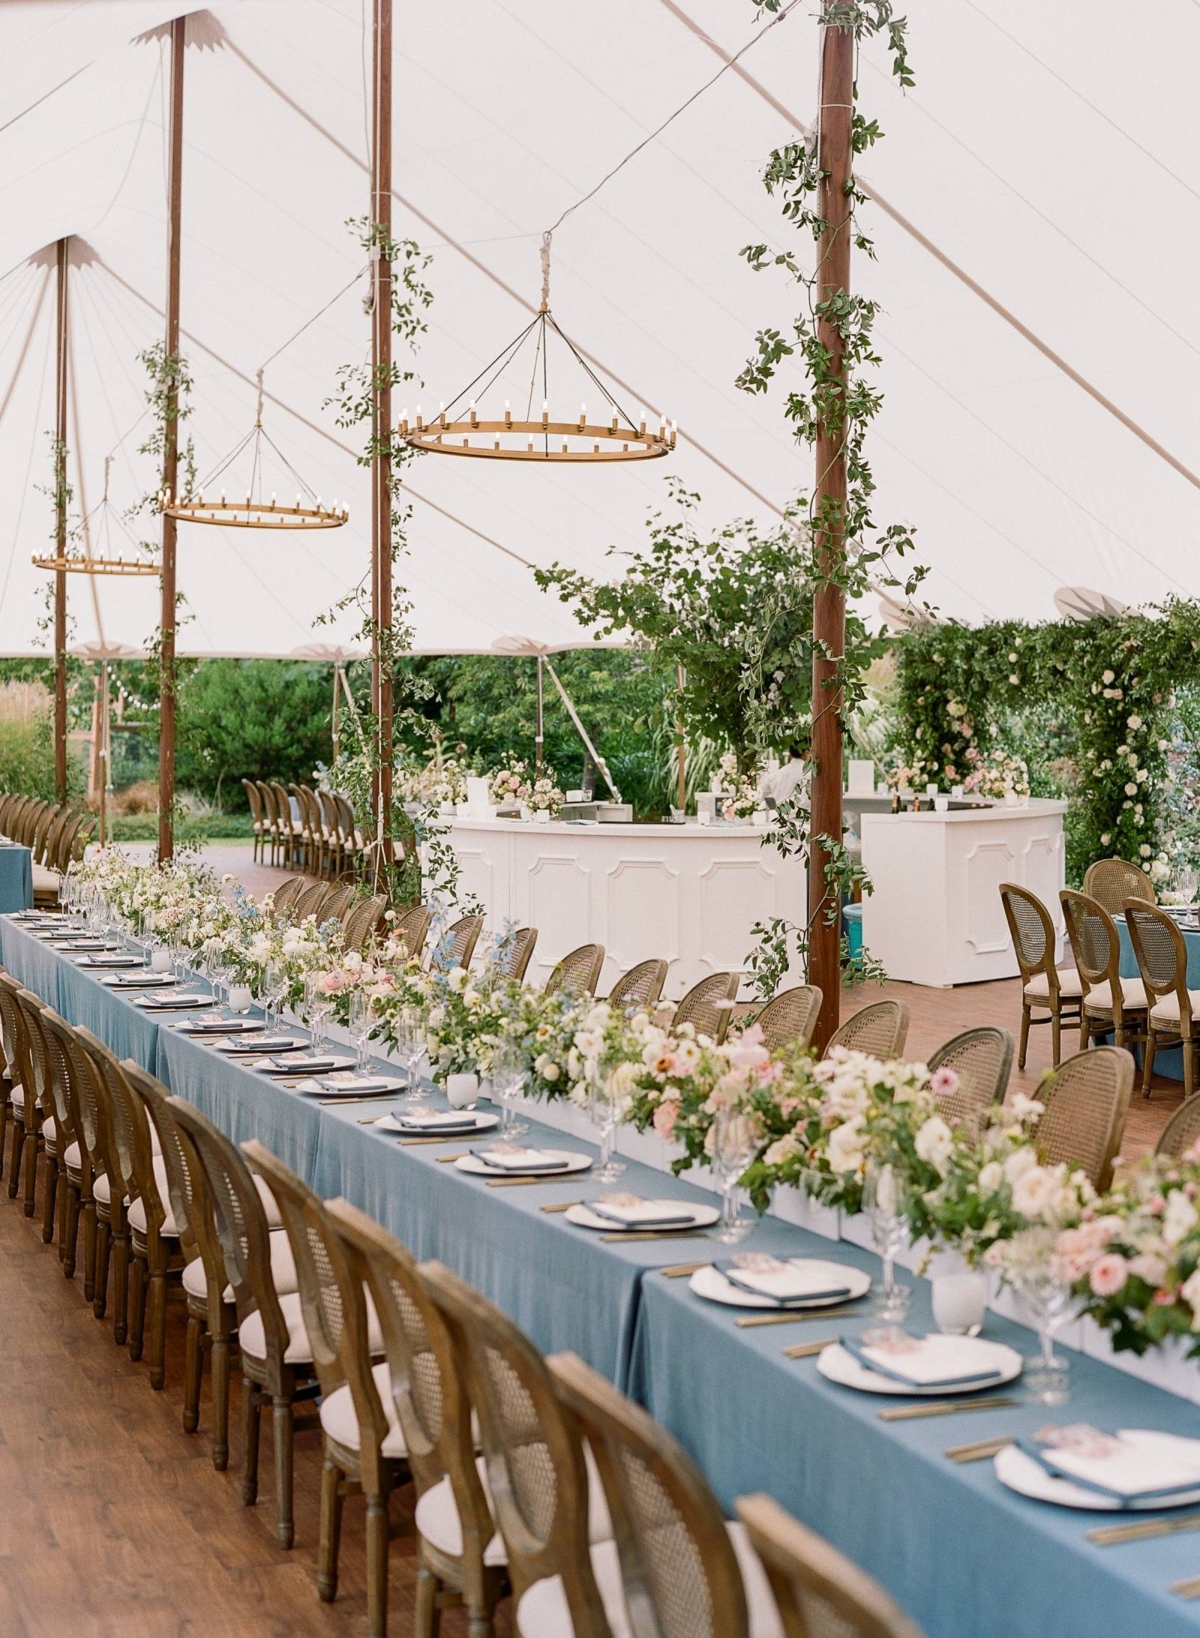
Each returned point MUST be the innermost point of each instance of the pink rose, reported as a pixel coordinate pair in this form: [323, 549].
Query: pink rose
[665, 1117]
[1109, 1274]
[1163, 1299]
[944, 1082]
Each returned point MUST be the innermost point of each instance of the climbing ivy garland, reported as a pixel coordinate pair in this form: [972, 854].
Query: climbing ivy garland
[1111, 684]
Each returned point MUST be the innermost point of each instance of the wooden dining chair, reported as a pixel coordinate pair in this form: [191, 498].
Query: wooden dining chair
[1087, 1101]
[284, 896]
[537, 1472]
[71, 1153]
[307, 902]
[363, 921]
[460, 1550]
[25, 1110]
[457, 944]
[270, 818]
[413, 927]
[817, 1590]
[578, 972]
[108, 1191]
[363, 1440]
[59, 1117]
[287, 826]
[335, 853]
[1162, 959]
[97, 1167]
[879, 1029]
[789, 1018]
[276, 1356]
[1111, 1004]
[339, 900]
[982, 1060]
[676, 1568]
[1057, 990]
[641, 986]
[708, 1006]
[352, 838]
[254, 803]
[1112, 881]
[513, 953]
[307, 848]
[1181, 1131]
[155, 1255]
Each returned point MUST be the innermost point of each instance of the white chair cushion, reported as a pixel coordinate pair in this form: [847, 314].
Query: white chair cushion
[340, 1422]
[438, 1521]
[269, 1203]
[1038, 987]
[101, 1192]
[137, 1211]
[1132, 989]
[252, 1336]
[283, 1271]
[1166, 1011]
[50, 1133]
[73, 1160]
[16, 1097]
[542, 1611]
[45, 881]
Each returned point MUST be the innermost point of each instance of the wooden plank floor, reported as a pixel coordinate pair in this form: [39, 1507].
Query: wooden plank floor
[113, 1522]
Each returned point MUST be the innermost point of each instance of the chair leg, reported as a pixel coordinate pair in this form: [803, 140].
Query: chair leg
[427, 1616]
[250, 1436]
[220, 1405]
[157, 1325]
[193, 1362]
[285, 1526]
[101, 1257]
[1189, 1066]
[50, 1204]
[137, 1305]
[120, 1286]
[332, 1496]
[1148, 1070]
[18, 1148]
[70, 1229]
[1021, 1050]
[377, 1566]
[29, 1162]
[1055, 1039]
[5, 1106]
[88, 1212]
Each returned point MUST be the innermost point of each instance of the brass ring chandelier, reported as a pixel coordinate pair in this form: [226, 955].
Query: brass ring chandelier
[86, 562]
[614, 436]
[254, 512]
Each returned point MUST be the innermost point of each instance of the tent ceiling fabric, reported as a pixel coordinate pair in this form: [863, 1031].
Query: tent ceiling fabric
[1032, 136]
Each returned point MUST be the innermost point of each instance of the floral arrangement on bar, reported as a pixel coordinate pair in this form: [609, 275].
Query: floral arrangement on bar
[1134, 1258]
[1001, 774]
[545, 794]
[509, 784]
[741, 787]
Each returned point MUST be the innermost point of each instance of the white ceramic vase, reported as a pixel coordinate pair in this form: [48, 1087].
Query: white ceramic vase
[462, 1090]
[959, 1294]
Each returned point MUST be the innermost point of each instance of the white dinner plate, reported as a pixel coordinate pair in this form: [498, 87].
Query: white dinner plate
[698, 1217]
[149, 981]
[305, 1063]
[1029, 1478]
[217, 1027]
[711, 1283]
[481, 1123]
[575, 1163]
[173, 1003]
[342, 1084]
[262, 1043]
[108, 962]
[842, 1367]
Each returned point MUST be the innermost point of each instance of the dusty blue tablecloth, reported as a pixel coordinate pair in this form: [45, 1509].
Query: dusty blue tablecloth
[16, 877]
[968, 1558]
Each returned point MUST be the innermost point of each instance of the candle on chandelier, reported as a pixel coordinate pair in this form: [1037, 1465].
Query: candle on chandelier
[420, 419]
[641, 423]
[442, 414]
[474, 417]
[507, 413]
[545, 412]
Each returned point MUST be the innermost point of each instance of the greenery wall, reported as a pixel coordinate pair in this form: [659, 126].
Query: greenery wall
[1105, 711]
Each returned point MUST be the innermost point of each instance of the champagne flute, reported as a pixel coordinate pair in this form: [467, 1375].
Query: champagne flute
[272, 993]
[884, 1201]
[605, 1109]
[735, 1144]
[1050, 1297]
[411, 1045]
[317, 1003]
[509, 1070]
[361, 1021]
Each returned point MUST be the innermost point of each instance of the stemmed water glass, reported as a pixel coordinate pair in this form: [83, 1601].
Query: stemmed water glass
[274, 981]
[317, 1004]
[884, 1202]
[361, 1021]
[410, 1049]
[606, 1103]
[510, 1066]
[1049, 1296]
[735, 1144]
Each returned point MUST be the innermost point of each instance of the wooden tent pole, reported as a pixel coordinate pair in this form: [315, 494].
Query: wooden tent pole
[105, 752]
[539, 742]
[381, 464]
[680, 749]
[62, 261]
[170, 465]
[829, 608]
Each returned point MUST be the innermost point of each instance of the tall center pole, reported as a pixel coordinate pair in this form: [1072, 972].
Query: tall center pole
[829, 608]
[62, 263]
[381, 466]
[170, 466]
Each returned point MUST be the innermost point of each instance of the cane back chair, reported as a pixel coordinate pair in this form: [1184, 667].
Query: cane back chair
[1162, 959]
[1112, 881]
[578, 972]
[1043, 985]
[879, 1029]
[789, 1018]
[641, 986]
[1110, 1003]
[1087, 1100]
[982, 1060]
[708, 1006]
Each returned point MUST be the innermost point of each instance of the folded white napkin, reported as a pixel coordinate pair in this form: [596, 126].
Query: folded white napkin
[434, 1119]
[644, 1211]
[301, 1064]
[790, 1282]
[927, 1361]
[1131, 1464]
[520, 1160]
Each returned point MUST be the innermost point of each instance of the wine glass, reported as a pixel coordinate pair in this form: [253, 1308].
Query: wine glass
[360, 1021]
[410, 1049]
[884, 1201]
[510, 1066]
[273, 982]
[1049, 1296]
[317, 1004]
[735, 1144]
[605, 1107]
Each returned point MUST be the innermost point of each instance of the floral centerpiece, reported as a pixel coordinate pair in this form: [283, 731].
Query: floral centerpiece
[509, 783]
[545, 795]
[1001, 774]
[1134, 1257]
[741, 787]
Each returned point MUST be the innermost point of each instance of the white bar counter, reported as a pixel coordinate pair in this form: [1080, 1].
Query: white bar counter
[688, 893]
[935, 915]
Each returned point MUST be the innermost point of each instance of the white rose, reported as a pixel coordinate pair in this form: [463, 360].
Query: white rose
[1017, 1164]
[456, 979]
[1179, 1218]
[1190, 1292]
[934, 1143]
[990, 1177]
[844, 1146]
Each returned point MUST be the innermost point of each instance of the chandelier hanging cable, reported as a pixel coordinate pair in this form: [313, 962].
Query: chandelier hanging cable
[616, 436]
[253, 511]
[100, 519]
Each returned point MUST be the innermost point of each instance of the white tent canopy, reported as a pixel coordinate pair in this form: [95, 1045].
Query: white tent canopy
[1048, 152]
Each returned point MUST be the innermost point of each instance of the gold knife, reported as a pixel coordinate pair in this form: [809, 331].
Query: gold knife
[944, 1407]
[1111, 1535]
[679, 1271]
[1186, 1589]
[560, 1205]
[516, 1182]
[802, 1350]
[978, 1452]
[652, 1234]
[795, 1316]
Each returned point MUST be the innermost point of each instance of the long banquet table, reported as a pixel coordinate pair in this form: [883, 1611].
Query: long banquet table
[16, 877]
[968, 1558]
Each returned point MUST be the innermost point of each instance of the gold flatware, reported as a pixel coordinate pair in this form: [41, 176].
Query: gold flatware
[514, 1182]
[1186, 1589]
[794, 1316]
[416, 1143]
[652, 1234]
[978, 1452]
[560, 1205]
[352, 1103]
[803, 1350]
[1111, 1535]
[944, 1407]
[443, 1160]
[679, 1271]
